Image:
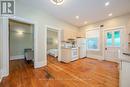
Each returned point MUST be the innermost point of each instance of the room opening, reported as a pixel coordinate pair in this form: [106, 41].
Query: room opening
[21, 45]
[52, 45]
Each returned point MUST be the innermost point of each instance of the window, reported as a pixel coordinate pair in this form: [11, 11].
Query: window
[117, 38]
[92, 43]
[113, 39]
[93, 37]
[109, 39]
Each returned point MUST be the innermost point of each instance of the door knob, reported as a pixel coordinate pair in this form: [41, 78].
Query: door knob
[105, 48]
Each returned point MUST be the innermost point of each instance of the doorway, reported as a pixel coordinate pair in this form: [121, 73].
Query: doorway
[5, 42]
[53, 44]
[112, 44]
[21, 45]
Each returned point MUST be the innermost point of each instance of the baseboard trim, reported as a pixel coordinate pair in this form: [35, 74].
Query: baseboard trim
[0, 80]
[95, 57]
[116, 61]
[39, 64]
[17, 57]
[1, 75]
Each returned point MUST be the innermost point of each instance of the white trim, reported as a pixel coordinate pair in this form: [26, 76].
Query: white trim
[0, 75]
[93, 49]
[103, 40]
[17, 57]
[5, 46]
[39, 64]
[20, 19]
[113, 28]
[5, 43]
[93, 29]
[95, 56]
[114, 60]
[59, 41]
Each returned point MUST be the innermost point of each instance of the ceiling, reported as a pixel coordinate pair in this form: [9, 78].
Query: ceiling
[87, 10]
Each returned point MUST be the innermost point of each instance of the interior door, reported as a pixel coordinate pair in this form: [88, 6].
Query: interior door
[112, 44]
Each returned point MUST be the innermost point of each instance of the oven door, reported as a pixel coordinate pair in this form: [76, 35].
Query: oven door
[74, 54]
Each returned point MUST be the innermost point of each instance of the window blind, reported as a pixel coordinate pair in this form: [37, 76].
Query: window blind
[93, 33]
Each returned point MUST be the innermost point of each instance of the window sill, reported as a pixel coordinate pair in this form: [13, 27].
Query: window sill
[114, 46]
[93, 50]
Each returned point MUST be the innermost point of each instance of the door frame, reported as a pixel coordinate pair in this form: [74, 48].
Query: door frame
[59, 41]
[5, 43]
[122, 35]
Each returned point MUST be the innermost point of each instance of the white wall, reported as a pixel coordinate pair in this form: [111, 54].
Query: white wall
[123, 20]
[128, 32]
[4, 46]
[42, 18]
[19, 42]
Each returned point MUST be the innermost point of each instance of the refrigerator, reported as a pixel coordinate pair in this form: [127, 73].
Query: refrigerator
[82, 45]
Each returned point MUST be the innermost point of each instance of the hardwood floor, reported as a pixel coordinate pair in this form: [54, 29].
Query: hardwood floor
[82, 73]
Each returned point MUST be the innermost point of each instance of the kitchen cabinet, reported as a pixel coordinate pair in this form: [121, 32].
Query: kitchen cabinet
[125, 71]
[69, 54]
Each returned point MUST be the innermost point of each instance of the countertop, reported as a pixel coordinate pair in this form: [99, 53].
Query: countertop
[127, 54]
[125, 57]
[71, 48]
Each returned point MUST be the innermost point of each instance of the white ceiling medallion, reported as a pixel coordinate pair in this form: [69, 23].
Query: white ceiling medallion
[107, 4]
[57, 2]
[110, 14]
[77, 17]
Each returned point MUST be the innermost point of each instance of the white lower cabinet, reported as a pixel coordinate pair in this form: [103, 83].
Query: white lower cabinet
[69, 54]
[125, 74]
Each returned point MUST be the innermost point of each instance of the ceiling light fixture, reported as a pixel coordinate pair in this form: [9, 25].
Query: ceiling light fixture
[110, 14]
[85, 22]
[20, 32]
[107, 3]
[77, 17]
[57, 2]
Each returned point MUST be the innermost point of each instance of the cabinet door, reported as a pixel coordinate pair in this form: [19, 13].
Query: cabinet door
[125, 74]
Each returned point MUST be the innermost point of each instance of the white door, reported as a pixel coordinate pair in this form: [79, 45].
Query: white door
[112, 44]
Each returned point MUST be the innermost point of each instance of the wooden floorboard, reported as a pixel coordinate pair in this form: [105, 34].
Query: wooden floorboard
[81, 73]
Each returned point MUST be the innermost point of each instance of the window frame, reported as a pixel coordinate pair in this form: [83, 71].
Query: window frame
[98, 38]
[106, 40]
[113, 40]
